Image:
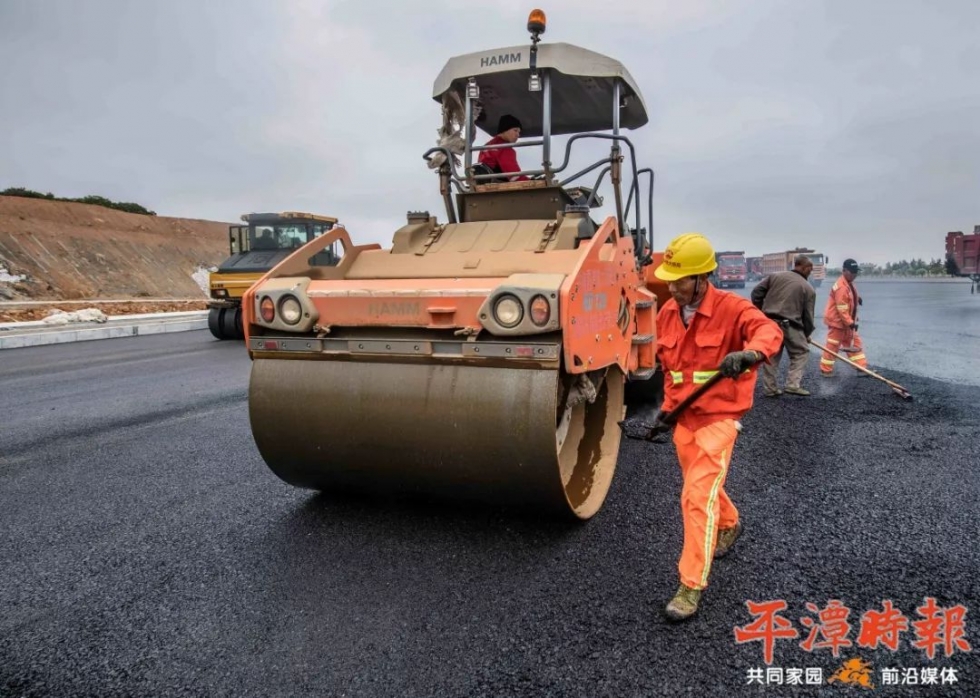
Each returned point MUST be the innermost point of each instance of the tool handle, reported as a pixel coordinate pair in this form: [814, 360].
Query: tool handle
[892, 384]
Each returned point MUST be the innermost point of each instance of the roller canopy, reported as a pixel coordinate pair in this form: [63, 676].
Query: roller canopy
[581, 88]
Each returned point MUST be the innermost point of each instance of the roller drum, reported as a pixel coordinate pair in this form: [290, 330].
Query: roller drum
[453, 431]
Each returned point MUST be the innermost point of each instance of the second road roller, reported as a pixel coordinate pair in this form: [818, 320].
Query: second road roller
[483, 357]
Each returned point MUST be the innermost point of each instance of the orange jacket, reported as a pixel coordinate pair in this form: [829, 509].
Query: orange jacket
[689, 356]
[841, 310]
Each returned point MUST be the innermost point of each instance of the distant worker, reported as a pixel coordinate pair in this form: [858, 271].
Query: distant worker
[702, 331]
[788, 298]
[840, 316]
[504, 160]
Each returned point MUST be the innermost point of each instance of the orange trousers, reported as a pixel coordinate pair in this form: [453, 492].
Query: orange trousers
[704, 455]
[842, 341]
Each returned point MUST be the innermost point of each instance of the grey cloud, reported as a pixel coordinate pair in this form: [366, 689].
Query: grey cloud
[846, 126]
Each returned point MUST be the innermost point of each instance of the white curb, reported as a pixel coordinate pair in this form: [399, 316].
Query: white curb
[17, 335]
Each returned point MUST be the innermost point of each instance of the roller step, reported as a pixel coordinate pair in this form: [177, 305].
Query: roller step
[643, 374]
[642, 338]
[643, 305]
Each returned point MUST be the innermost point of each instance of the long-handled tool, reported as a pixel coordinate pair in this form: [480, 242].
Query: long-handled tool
[899, 390]
[639, 427]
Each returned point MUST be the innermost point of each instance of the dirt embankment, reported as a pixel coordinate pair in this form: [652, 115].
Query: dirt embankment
[52, 250]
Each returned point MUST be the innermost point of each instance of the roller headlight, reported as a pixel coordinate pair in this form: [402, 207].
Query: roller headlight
[540, 311]
[508, 311]
[290, 311]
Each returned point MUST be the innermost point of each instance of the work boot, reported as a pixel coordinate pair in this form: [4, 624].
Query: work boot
[774, 393]
[684, 604]
[726, 539]
[796, 390]
[826, 374]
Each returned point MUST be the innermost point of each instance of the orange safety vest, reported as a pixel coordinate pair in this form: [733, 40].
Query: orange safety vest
[689, 356]
[841, 310]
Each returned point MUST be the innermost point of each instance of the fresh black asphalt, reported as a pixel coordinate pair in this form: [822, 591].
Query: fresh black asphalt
[146, 550]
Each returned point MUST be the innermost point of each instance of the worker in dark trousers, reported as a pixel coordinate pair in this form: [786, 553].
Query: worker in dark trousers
[788, 298]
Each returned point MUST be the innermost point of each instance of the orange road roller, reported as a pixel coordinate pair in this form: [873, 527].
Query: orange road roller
[484, 357]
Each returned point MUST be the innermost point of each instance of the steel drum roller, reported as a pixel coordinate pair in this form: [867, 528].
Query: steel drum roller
[452, 431]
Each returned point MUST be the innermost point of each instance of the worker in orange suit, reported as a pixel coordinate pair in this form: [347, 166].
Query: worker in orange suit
[702, 331]
[840, 317]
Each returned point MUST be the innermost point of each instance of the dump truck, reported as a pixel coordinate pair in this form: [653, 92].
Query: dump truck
[963, 256]
[753, 268]
[783, 261]
[261, 243]
[484, 356]
[731, 271]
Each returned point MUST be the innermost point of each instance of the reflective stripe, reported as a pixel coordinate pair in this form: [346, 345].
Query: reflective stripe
[843, 306]
[833, 341]
[677, 376]
[709, 529]
[703, 376]
[828, 362]
[857, 357]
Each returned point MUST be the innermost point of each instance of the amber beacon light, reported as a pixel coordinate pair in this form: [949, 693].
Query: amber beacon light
[536, 22]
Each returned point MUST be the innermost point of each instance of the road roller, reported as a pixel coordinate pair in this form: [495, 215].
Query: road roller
[485, 356]
[261, 243]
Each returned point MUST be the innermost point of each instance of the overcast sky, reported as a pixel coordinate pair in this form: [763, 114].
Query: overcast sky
[852, 126]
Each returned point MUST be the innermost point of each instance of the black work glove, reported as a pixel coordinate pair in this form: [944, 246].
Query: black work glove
[860, 301]
[735, 363]
[854, 326]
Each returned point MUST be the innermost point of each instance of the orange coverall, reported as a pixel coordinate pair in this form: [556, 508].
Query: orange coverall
[705, 433]
[838, 316]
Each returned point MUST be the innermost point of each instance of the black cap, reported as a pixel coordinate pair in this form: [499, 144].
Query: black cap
[851, 266]
[507, 122]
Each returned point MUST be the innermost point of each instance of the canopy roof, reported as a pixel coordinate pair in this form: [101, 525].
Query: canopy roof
[581, 88]
[270, 218]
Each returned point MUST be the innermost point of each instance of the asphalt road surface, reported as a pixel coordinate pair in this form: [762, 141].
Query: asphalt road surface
[147, 550]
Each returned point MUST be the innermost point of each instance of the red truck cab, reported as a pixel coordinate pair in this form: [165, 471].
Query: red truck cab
[731, 271]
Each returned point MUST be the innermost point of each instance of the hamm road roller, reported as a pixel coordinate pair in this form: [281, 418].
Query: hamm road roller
[484, 356]
[256, 247]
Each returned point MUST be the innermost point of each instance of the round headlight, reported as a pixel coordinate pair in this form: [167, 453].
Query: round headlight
[290, 310]
[507, 311]
[540, 311]
[267, 309]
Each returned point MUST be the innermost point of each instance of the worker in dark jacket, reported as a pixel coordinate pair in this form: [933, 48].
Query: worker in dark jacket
[788, 298]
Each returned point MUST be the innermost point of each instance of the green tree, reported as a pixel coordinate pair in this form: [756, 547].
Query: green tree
[126, 206]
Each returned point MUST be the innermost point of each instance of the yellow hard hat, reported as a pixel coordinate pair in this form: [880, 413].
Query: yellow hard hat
[689, 254]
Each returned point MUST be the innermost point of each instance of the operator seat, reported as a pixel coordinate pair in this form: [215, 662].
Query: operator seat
[480, 168]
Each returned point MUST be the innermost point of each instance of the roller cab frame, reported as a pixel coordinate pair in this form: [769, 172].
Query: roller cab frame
[483, 357]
